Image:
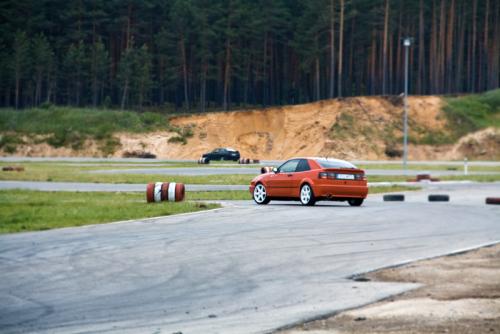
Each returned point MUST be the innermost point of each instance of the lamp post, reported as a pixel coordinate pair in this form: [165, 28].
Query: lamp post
[406, 42]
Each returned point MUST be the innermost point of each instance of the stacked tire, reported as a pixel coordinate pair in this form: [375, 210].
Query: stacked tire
[203, 161]
[493, 200]
[13, 169]
[246, 161]
[165, 192]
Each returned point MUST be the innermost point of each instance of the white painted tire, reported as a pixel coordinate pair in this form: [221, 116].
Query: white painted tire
[260, 194]
[306, 195]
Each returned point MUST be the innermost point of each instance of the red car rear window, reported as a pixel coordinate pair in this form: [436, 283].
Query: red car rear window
[335, 164]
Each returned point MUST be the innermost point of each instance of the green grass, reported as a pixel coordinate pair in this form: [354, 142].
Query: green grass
[402, 178]
[56, 172]
[26, 210]
[473, 112]
[432, 167]
[70, 127]
[476, 178]
[62, 172]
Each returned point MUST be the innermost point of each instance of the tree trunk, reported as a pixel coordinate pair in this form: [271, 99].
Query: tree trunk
[449, 48]
[473, 50]
[18, 86]
[203, 88]
[38, 87]
[483, 74]
[384, 50]
[184, 72]
[264, 72]
[341, 45]
[495, 59]
[460, 50]
[442, 47]
[373, 64]
[433, 52]
[421, 51]
[317, 75]
[332, 49]
[124, 95]
[227, 75]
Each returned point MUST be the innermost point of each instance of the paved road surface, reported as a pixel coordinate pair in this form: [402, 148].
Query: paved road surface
[241, 269]
[256, 170]
[133, 187]
[264, 162]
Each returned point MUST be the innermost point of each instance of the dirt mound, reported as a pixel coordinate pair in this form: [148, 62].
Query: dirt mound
[484, 144]
[351, 128]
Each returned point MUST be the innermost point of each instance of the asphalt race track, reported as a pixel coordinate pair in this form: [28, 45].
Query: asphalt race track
[256, 170]
[241, 269]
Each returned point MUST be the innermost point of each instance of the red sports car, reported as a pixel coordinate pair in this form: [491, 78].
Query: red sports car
[310, 180]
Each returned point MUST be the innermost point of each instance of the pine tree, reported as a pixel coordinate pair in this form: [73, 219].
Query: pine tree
[98, 70]
[42, 57]
[20, 62]
[75, 67]
[142, 75]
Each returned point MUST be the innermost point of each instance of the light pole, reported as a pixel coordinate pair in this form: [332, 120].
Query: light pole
[406, 42]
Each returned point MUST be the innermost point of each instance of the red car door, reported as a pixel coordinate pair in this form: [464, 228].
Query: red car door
[281, 183]
[300, 173]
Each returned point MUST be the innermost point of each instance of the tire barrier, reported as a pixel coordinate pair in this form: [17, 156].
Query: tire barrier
[138, 154]
[493, 200]
[13, 169]
[439, 198]
[203, 161]
[265, 170]
[424, 177]
[165, 191]
[394, 198]
[246, 161]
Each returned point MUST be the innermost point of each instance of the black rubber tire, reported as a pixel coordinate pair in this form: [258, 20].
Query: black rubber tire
[493, 200]
[312, 199]
[394, 198]
[439, 198]
[355, 201]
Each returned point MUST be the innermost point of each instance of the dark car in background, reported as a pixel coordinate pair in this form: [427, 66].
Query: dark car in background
[222, 154]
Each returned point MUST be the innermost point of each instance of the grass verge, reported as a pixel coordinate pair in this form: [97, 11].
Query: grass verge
[27, 210]
[70, 127]
[77, 173]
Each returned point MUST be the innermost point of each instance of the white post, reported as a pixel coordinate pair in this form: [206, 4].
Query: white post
[466, 166]
[407, 43]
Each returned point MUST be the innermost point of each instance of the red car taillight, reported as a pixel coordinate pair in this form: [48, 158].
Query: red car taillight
[326, 175]
[359, 177]
[333, 176]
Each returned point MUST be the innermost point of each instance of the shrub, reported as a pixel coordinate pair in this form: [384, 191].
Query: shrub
[10, 142]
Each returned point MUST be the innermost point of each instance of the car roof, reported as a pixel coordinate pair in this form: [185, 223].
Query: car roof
[340, 162]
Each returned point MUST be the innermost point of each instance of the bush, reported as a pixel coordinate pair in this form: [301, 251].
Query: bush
[9, 143]
[70, 127]
[473, 112]
[178, 139]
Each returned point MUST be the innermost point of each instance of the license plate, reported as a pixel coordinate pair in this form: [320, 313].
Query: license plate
[345, 176]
